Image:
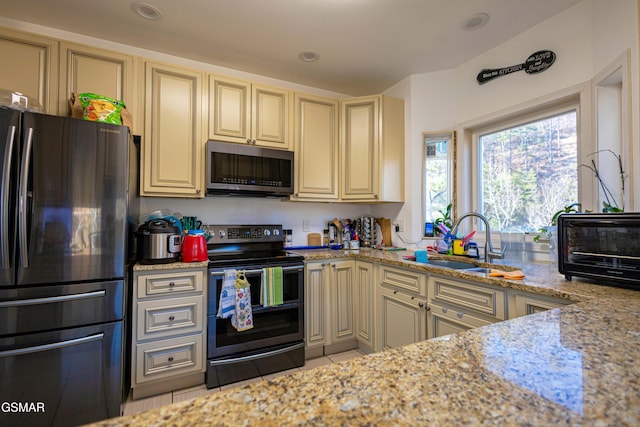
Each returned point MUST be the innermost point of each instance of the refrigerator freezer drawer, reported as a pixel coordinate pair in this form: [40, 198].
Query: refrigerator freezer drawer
[42, 308]
[73, 375]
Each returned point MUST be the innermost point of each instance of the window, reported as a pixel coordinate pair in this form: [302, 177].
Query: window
[438, 175]
[528, 171]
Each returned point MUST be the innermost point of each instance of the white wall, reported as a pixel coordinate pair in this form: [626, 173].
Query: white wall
[586, 39]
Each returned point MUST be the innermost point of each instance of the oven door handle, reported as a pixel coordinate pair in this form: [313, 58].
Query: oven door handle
[213, 273]
[255, 356]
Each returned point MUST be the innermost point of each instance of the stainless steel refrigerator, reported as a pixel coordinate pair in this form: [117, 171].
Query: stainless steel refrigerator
[66, 192]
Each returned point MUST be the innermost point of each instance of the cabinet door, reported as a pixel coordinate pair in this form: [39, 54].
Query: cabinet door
[30, 66]
[365, 303]
[342, 301]
[403, 319]
[229, 110]
[316, 147]
[84, 69]
[173, 143]
[526, 304]
[360, 136]
[315, 304]
[270, 117]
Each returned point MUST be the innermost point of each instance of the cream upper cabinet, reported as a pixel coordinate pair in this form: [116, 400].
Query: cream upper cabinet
[245, 112]
[316, 148]
[30, 66]
[173, 143]
[372, 149]
[85, 69]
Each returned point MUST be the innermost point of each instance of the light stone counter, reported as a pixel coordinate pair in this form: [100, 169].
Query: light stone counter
[576, 365]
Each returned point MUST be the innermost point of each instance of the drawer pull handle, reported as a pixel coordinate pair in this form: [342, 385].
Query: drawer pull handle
[172, 284]
[172, 318]
[459, 315]
[170, 359]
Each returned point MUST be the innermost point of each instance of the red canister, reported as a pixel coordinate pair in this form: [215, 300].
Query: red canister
[194, 247]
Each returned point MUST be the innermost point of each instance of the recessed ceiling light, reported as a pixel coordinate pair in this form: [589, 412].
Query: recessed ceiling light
[308, 56]
[146, 10]
[475, 21]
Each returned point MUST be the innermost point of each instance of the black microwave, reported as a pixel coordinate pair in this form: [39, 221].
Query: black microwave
[248, 170]
[605, 247]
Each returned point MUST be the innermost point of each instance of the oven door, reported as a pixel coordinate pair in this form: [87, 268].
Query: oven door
[272, 326]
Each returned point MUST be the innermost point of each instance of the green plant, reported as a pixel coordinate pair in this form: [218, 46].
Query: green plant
[445, 217]
[574, 207]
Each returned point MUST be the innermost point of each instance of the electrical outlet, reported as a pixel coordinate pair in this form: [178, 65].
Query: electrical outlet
[305, 225]
[399, 225]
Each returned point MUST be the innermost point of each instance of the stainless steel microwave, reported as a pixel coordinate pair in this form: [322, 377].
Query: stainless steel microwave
[605, 247]
[248, 170]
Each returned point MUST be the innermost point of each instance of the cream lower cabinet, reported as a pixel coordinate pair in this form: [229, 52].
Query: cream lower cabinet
[329, 307]
[316, 148]
[168, 330]
[456, 305]
[86, 69]
[173, 143]
[402, 307]
[372, 149]
[30, 66]
[245, 112]
[365, 287]
[523, 303]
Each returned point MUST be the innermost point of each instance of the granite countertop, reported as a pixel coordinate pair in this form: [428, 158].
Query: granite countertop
[575, 365]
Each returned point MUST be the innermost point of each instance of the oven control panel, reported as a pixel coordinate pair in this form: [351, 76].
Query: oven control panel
[244, 233]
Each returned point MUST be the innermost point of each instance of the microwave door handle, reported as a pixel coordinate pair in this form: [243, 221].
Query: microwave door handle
[22, 204]
[4, 189]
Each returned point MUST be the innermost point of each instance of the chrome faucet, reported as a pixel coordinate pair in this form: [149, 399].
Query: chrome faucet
[489, 253]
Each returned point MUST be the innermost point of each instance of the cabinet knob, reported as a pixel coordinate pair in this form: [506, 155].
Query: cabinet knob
[172, 284]
[421, 305]
[170, 359]
[248, 140]
[323, 265]
[459, 315]
[428, 308]
[172, 318]
[444, 310]
[254, 142]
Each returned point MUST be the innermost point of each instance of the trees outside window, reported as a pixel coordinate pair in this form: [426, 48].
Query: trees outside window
[529, 171]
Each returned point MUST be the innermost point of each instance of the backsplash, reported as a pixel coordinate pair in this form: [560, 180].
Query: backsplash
[240, 210]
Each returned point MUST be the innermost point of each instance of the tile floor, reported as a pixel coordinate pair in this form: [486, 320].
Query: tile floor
[141, 405]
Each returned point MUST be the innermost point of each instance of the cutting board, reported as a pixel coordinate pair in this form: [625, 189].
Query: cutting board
[385, 226]
[314, 239]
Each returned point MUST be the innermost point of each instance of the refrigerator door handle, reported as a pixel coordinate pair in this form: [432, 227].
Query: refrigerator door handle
[4, 190]
[22, 206]
[53, 346]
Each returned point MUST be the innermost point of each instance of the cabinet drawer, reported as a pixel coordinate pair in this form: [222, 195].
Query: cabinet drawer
[486, 300]
[408, 280]
[177, 281]
[164, 317]
[446, 321]
[165, 358]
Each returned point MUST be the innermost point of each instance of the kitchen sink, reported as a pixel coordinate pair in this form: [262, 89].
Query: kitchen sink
[459, 265]
[456, 265]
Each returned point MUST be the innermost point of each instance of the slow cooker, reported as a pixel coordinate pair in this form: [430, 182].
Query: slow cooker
[159, 241]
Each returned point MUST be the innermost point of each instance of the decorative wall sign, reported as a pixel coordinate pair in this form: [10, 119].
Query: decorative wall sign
[536, 63]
